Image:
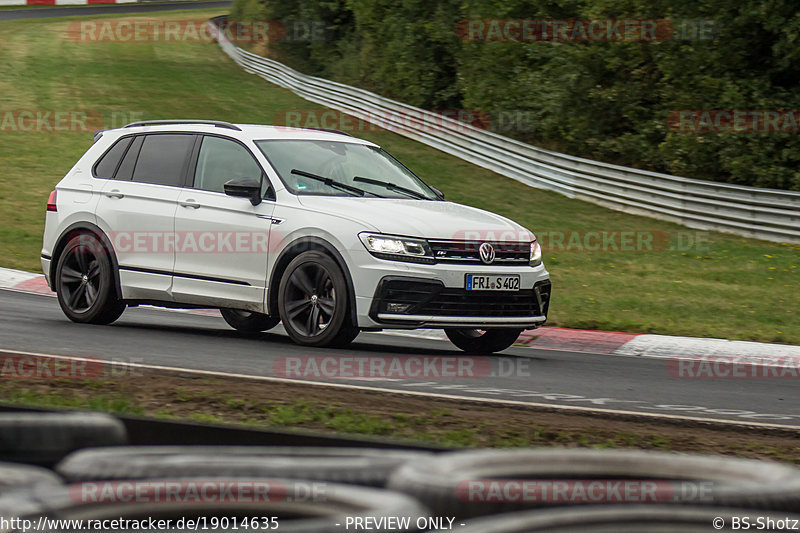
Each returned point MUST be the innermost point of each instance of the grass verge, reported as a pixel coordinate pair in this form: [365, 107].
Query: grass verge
[459, 424]
[699, 284]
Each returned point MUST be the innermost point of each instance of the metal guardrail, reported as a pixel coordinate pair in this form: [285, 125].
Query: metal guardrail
[768, 214]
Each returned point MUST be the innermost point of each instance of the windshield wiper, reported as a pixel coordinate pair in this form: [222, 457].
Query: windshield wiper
[355, 191]
[392, 187]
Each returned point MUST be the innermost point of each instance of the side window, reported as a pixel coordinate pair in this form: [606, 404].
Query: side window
[221, 160]
[107, 166]
[162, 159]
[125, 171]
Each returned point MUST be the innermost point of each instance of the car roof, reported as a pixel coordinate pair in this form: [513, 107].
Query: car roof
[252, 132]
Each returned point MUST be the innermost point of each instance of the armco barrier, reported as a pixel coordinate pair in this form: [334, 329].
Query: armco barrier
[749, 211]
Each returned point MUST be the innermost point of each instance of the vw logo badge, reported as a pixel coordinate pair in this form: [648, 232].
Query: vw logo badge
[486, 252]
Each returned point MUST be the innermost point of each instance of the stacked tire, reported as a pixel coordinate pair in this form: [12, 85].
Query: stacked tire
[558, 490]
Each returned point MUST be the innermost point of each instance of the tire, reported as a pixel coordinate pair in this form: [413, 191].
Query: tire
[622, 519]
[312, 290]
[444, 481]
[84, 282]
[248, 321]
[339, 465]
[487, 341]
[17, 505]
[15, 477]
[299, 506]
[46, 438]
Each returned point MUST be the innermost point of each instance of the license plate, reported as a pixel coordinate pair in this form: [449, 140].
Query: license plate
[492, 282]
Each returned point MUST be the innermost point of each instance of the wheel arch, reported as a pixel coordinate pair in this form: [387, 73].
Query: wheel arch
[295, 248]
[85, 227]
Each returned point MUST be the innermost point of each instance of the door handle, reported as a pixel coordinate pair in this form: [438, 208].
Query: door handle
[115, 193]
[189, 203]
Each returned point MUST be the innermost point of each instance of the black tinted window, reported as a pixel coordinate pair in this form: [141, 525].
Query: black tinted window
[162, 159]
[125, 171]
[106, 167]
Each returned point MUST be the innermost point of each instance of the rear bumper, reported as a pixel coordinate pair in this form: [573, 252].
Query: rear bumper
[46, 260]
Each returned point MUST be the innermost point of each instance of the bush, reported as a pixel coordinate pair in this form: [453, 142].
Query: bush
[603, 100]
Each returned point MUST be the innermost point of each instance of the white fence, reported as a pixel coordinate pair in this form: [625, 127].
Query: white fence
[749, 211]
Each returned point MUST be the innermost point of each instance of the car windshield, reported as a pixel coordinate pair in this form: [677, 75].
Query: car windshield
[301, 164]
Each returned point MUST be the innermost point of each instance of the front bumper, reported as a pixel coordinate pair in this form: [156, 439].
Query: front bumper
[414, 302]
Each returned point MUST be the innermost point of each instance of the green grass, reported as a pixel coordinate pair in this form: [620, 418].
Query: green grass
[730, 287]
[257, 405]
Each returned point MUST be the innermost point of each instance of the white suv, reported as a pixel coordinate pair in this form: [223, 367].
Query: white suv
[320, 230]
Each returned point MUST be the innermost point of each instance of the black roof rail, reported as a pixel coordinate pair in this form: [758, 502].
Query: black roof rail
[217, 123]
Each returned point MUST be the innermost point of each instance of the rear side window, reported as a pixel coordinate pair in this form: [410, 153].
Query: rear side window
[125, 171]
[107, 166]
[163, 159]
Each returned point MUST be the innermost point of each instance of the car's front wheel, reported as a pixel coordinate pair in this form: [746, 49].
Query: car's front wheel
[484, 341]
[84, 282]
[313, 302]
[248, 321]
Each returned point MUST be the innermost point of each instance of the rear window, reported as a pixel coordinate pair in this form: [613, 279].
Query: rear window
[163, 158]
[107, 166]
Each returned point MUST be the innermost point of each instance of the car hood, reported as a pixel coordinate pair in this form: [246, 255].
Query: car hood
[420, 218]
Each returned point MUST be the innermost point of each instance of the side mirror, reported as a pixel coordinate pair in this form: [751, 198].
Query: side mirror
[439, 193]
[244, 188]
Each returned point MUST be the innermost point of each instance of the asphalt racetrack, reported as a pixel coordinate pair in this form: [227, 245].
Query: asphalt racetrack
[34, 323]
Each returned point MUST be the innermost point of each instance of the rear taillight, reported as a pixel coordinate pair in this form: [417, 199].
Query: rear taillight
[51, 202]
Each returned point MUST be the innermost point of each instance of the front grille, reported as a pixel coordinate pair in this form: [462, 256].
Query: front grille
[459, 302]
[466, 252]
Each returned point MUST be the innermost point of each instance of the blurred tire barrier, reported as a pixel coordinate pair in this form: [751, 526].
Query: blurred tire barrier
[750, 211]
[359, 466]
[628, 519]
[323, 489]
[297, 506]
[45, 438]
[474, 483]
[19, 476]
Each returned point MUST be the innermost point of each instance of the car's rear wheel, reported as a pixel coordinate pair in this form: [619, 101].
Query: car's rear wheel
[483, 340]
[84, 282]
[248, 321]
[313, 302]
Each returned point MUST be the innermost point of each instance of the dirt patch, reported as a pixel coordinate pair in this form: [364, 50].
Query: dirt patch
[441, 421]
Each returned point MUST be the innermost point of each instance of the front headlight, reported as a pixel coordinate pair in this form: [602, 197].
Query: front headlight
[536, 254]
[397, 248]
